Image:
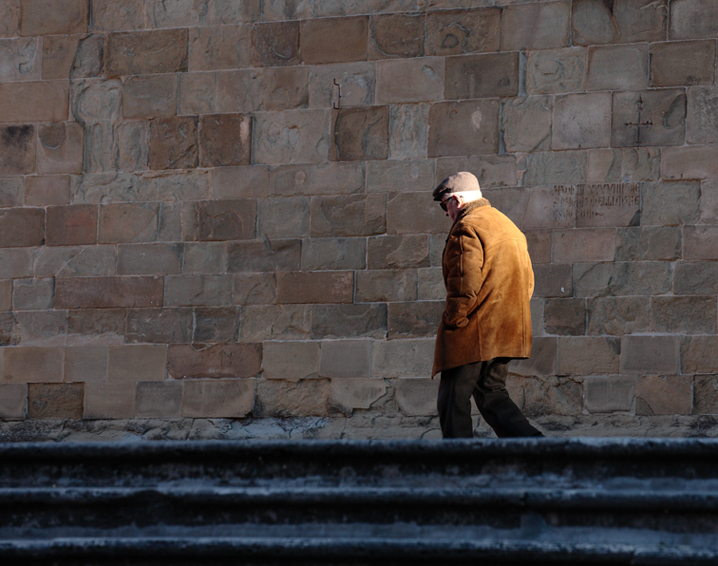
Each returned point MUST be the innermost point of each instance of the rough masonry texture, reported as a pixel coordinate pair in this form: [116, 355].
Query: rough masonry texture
[203, 236]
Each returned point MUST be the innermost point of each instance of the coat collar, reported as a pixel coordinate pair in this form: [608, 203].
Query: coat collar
[469, 207]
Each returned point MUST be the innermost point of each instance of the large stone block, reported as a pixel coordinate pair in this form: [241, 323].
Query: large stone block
[101, 325]
[58, 56]
[588, 355]
[566, 317]
[204, 258]
[670, 203]
[581, 121]
[239, 91]
[537, 208]
[649, 354]
[109, 401]
[695, 278]
[628, 165]
[398, 252]
[396, 35]
[213, 325]
[221, 360]
[699, 354]
[60, 148]
[160, 326]
[621, 278]
[198, 290]
[554, 168]
[146, 52]
[318, 287]
[10, 18]
[159, 399]
[335, 40]
[97, 156]
[72, 261]
[173, 143]
[410, 80]
[131, 145]
[219, 47]
[41, 328]
[417, 396]
[609, 394]
[55, 400]
[699, 242]
[656, 117]
[482, 76]
[430, 285]
[149, 96]
[664, 395]
[349, 321]
[705, 395]
[197, 93]
[408, 130]
[275, 44]
[400, 176]
[624, 21]
[268, 255]
[682, 63]
[21, 227]
[226, 220]
[234, 12]
[94, 100]
[333, 253]
[20, 60]
[535, 26]
[224, 140]
[71, 225]
[240, 182]
[456, 32]
[649, 243]
[701, 121]
[13, 401]
[291, 360]
[708, 206]
[412, 320]
[86, 364]
[149, 259]
[346, 358]
[284, 88]
[537, 397]
[49, 17]
[18, 150]
[573, 246]
[46, 101]
[109, 15]
[88, 57]
[292, 398]
[230, 398]
[108, 292]
[6, 295]
[128, 222]
[386, 285]
[361, 134]
[8, 330]
[693, 19]
[689, 162]
[490, 170]
[32, 294]
[275, 322]
[346, 395]
[526, 124]
[414, 213]
[542, 361]
[552, 280]
[33, 365]
[556, 70]
[464, 128]
[292, 136]
[618, 67]
[320, 179]
[683, 315]
[348, 215]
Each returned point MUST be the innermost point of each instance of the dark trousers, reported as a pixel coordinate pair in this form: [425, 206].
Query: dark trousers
[486, 381]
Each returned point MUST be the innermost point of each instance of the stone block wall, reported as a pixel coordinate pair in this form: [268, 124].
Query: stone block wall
[216, 221]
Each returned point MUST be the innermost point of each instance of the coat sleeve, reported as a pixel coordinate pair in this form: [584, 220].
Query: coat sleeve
[464, 261]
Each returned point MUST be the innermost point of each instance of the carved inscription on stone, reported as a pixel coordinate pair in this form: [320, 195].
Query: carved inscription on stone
[600, 204]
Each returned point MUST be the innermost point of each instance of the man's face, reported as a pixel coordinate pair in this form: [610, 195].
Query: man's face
[451, 205]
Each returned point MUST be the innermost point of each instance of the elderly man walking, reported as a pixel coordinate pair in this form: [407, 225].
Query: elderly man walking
[487, 318]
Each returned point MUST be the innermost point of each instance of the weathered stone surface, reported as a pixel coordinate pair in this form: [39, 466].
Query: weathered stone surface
[13, 401]
[621, 278]
[361, 134]
[198, 290]
[319, 179]
[346, 395]
[538, 396]
[581, 121]
[10, 18]
[623, 22]
[204, 258]
[413, 213]
[403, 358]
[539, 244]
[109, 15]
[41, 328]
[554, 168]
[701, 122]
[708, 205]
[624, 165]
[226, 220]
[149, 259]
[386, 285]
[149, 96]
[346, 358]
[20, 59]
[96, 100]
[417, 397]
[60, 148]
[213, 325]
[284, 88]
[691, 19]
[535, 26]
[396, 35]
[340, 40]
[683, 315]
[145, 52]
[649, 243]
[88, 57]
[64, 261]
[275, 44]
[218, 398]
[197, 93]
[670, 203]
[689, 162]
[33, 365]
[695, 278]
[32, 294]
[574, 246]
[333, 253]
[239, 91]
[490, 170]
[526, 123]
[128, 222]
[34, 102]
[462, 31]
[219, 47]
[408, 130]
[102, 325]
[537, 208]
[108, 292]
[430, 285]
[649, 354]
[86, 364]
[348, 215]
[109, 401]
[617, 67]
[159, 399]
[398, 252]
[240, 182]
[292, 136]
[277, 255]
[221, 360]
[588, 355]
[110, 187]
[71, 225]
[233, 11]
[410, 80]
[556, 70]
[173, 143]
[21, 227]
[400, 176]
[292, 398]
[224, 140]
[699, 354]
[665, 110]
[699, 242]
[682, 63]
[131, 145]
[482, 76]
[55, 400]
[542, 361]
[411, 320]
[275, 322]
[6, 295]
[463, 128]
[17, 150]
[565, 317]
[58, 55]
[290, 360]
[664, 395]
[8, 329]
[705, 395]
[552, 280]
[319, 287]
[97, 156]
[161, 326]
[356, 81]
[48, 17]
[608, 394]
[348, 321]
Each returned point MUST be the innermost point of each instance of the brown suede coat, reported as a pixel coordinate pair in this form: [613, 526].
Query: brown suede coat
[489, 283]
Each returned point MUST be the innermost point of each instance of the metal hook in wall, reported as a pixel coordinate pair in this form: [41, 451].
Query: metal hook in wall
[338, 105]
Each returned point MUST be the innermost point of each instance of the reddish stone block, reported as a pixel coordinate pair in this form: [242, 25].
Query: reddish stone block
[21, 227]
[334, 40]
[146, 52]
[362, 134]
[275, 44]
[317, 287]
[463, 31]
[219, 47]
[482, 76]
[60, 149]
[649, 354]
[222, 360]
[58, 55]
[173, 143]
[33, 365]
[108, 292]
[55, 400]
[128, 222]
[71, 225]
[17, 150]
[397, 35]
[149, 96]
[224, 140]
[226, 220]
[46, 101]
[48, 17]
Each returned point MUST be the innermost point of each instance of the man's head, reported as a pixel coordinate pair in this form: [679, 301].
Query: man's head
[455, 191]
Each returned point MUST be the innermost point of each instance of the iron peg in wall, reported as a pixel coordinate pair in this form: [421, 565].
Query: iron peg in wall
[338, 105]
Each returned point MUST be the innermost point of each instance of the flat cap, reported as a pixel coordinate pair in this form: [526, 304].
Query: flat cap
[457, 183]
